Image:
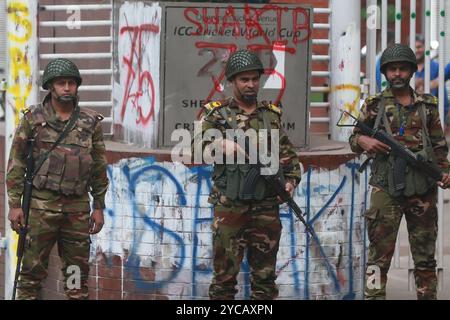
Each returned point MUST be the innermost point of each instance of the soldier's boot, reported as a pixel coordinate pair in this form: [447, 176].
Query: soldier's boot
[426, 284]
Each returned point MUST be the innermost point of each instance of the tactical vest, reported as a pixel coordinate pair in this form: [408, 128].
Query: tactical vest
[384, 166]
[68, 167]
[243, 182]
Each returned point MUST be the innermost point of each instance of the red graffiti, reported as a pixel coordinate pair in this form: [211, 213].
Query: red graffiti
[141, 75]
[219, 55]
[215, 49]
[271, 70]
[222, 20]
[297, 28]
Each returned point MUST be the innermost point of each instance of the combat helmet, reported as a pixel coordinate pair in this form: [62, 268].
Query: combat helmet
[242, 60]
[60, 68]
[398, 53]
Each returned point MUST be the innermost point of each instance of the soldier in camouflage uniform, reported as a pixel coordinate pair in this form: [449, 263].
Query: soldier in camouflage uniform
[246, 219]
[60, 204]
[413, 120]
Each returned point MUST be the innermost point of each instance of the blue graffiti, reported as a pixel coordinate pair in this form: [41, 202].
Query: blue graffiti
[151, 172]
[133, 262]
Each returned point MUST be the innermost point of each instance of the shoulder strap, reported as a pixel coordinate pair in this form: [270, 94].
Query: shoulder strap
[233, 123]
[425, 135]
[381, 116]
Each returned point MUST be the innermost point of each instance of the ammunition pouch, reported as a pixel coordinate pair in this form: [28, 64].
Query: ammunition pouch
[417, 182]
[65, 173]
[242, 182]
[398, 178]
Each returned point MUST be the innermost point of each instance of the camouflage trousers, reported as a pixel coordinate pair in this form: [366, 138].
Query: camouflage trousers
[256, 229]
[383, 221]
[71, 232]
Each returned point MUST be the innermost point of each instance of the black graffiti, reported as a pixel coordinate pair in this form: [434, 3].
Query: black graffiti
[189, 103]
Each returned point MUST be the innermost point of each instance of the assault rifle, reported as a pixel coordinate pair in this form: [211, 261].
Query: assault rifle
[400, 151]
[26, 198]
[272, 180]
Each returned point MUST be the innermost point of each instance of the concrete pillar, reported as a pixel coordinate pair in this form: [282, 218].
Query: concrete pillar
[22, 90]
[345, 64]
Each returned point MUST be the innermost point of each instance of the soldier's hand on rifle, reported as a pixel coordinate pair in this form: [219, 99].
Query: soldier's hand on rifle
[372, 145]
[96, 222]
[289, 186]
[16, 218]
[445, 182]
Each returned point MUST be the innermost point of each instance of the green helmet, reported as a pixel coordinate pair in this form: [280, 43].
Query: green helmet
[242, 60]
[60, 68]
[398, 53]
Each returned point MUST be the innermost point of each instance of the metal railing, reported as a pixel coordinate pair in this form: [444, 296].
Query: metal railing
[97, 81]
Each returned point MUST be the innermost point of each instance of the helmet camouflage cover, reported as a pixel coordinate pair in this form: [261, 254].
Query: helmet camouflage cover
[60, 68]
[242, 60]
[398, 53]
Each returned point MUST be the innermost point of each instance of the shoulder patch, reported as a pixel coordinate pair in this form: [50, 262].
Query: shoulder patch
[271, 107]
[274, 108]
[429, 99]
[35, 114]
[25, 110]
[90, 112]
[212, 105]
[373, 99]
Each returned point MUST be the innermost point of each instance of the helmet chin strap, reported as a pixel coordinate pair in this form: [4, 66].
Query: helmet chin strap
[403, 85]
[66, 98]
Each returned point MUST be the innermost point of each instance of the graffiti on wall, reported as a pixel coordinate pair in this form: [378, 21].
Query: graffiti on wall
[22, 90]
[22, 53]
[137, 104]
[252, 26]
[158, 220]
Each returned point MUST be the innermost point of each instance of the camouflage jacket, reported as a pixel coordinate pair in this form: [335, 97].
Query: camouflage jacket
[213, 119]
[83, 150]
[406, 119]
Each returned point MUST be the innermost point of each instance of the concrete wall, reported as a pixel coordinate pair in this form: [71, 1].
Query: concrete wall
[156, 242]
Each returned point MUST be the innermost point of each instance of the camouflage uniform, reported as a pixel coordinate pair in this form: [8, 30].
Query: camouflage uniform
[385, 213]
[60, 208]
[253, 225]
